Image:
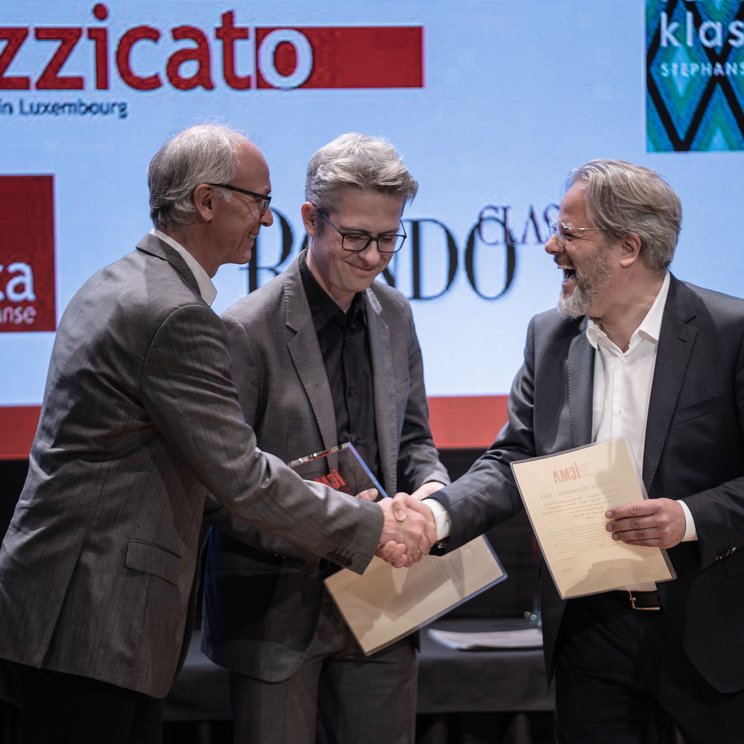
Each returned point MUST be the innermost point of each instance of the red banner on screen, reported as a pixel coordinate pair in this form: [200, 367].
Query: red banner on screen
[340, 57]
[27, 280]
[457, 422]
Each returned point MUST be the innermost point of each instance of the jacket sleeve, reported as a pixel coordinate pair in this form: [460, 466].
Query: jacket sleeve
[188, 391]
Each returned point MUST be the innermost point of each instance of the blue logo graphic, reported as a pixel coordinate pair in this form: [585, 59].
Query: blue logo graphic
[694, 75]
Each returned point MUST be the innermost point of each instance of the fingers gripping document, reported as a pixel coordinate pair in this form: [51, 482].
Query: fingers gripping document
[566, 497]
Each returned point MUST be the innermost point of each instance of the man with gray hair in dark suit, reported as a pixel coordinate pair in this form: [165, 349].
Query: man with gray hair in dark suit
[322, 355]
[632, 351]
[140, 418]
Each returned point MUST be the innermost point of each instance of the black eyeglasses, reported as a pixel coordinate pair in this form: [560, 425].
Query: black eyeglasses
[356, 241]
[265, 200]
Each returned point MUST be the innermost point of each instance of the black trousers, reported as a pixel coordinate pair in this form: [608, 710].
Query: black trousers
[622, 678]
[59, 708]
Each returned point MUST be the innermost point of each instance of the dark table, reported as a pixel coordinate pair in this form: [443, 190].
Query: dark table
[493, 696]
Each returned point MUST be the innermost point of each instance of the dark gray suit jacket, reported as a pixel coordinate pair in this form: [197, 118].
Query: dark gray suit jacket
[139, 416]
[262, 596]
[694, 450]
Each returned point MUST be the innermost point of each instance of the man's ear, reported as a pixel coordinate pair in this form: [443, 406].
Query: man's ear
[630, 249]
[309, 218]
[203, 198]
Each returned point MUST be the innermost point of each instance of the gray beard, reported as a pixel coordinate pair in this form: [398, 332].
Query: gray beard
[576, 304]
[597, 276]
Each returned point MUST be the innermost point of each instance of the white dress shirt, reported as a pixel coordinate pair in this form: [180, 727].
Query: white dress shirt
[622, 385]
[622, 390]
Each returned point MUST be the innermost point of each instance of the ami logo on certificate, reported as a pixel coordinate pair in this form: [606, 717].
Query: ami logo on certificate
[566, 496]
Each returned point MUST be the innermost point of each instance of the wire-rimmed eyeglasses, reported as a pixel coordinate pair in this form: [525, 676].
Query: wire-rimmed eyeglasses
[265, 198]
[357, 241]
[562, 232]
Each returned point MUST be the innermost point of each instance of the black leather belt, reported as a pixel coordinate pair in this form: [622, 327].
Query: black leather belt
[643, 601]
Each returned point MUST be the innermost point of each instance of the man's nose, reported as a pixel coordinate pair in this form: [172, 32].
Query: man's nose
[371, 254]
[553, 245]
[267, 218]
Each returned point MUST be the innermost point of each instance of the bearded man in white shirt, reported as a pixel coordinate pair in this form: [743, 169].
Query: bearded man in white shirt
[632, 351]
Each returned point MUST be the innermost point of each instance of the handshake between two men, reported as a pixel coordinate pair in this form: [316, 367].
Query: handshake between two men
[409, 529]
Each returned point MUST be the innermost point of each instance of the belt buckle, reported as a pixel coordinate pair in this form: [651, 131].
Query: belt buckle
[636, 608]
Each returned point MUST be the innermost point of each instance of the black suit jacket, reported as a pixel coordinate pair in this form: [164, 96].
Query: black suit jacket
[694, 450]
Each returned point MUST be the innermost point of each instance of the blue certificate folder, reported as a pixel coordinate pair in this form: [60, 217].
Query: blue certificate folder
[339, 467]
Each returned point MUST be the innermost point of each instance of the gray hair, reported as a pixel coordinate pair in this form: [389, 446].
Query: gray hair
[623, 198]
[201, 154]
[359, 161]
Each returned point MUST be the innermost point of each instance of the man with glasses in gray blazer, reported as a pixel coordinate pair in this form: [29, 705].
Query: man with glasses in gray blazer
[322, 355]
[633, 351]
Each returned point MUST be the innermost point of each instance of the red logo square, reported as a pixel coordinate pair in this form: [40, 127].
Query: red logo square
[27, 278]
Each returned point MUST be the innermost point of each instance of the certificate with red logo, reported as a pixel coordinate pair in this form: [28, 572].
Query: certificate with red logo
[566, 497]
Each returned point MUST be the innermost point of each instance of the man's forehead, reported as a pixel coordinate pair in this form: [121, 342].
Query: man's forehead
[352, 199]
[574, 200]
[251, 161]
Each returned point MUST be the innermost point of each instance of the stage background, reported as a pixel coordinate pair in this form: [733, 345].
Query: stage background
[491, 102]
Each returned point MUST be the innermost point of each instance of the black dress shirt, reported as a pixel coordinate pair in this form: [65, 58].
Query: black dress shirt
[344, 345]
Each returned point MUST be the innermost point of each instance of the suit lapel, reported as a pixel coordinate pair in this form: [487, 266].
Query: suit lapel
[676, 342]
[156, 247]
[385, 384]
[580, 383]
[304, 350]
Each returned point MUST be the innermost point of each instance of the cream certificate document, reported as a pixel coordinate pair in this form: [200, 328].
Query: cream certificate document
[386, 603]
[566, 497]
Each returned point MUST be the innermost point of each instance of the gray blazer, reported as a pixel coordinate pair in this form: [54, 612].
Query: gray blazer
[139, 416]
[263, 595]
[694, 450]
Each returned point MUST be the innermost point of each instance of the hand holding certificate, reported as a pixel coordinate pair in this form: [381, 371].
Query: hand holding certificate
[566, 497]
[386, 603]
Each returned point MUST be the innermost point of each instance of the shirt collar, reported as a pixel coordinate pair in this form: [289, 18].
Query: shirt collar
[322, 306]
[207, 290]
[650, 327]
